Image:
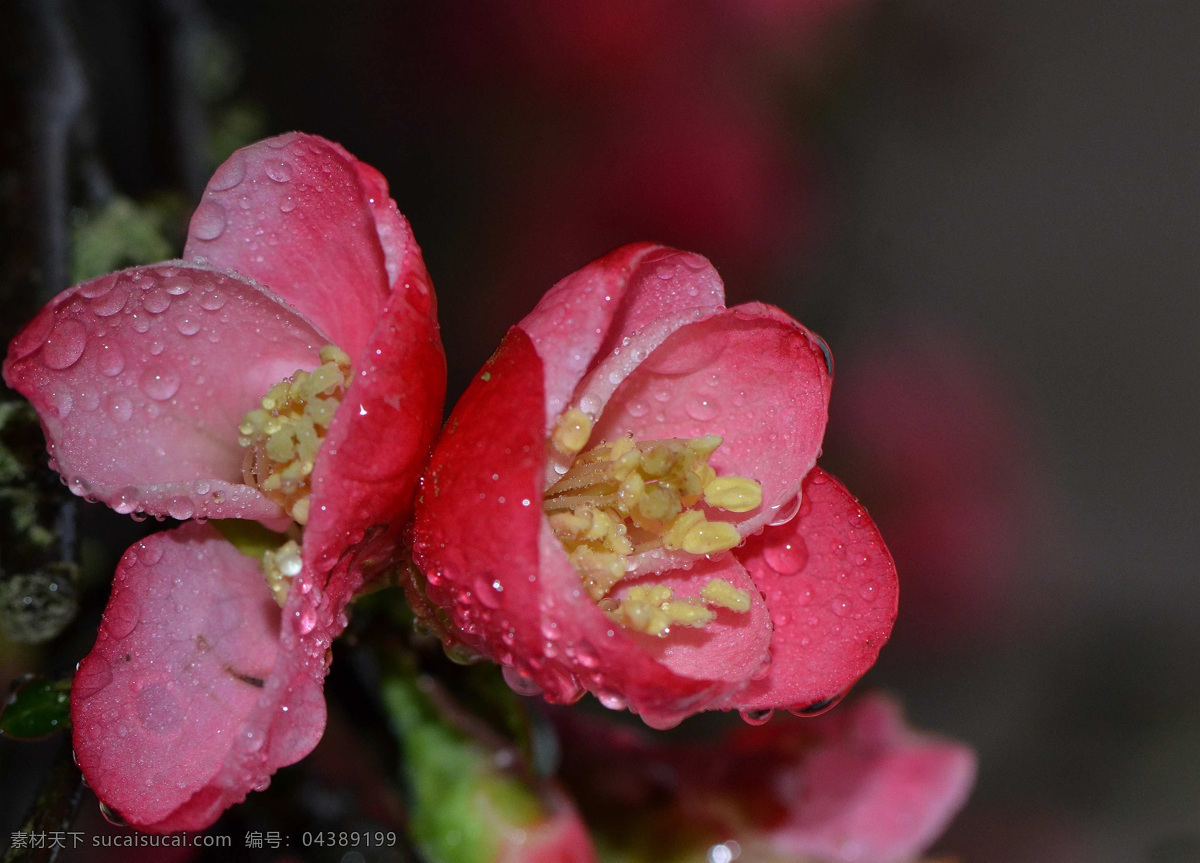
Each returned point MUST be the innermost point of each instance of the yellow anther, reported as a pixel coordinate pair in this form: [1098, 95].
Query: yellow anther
[625, 497]
[652, 609]
[722, 594]
[709, 537]
[572, 431]
[284, 434]
[280, 567]
[674, 536]
[733, 493]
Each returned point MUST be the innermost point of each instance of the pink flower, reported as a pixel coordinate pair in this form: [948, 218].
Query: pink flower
[173, 390]
[854, 785]
[625, 501]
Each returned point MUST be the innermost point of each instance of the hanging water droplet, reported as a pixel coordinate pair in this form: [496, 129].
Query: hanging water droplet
[519, 682]
[112, 816]
[786, 512]
[757, 717]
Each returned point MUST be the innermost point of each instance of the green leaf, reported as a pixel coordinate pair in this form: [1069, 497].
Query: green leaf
[461, 801]
[36, 709]
[124, 234]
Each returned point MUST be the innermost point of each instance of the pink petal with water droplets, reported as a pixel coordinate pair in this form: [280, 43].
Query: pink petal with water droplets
[750, 374]
[584, 317]
[492, 562]
[292, 212]
[831, 588]
[367, 470]
[873, 790]
[141, 378]
[194, 692]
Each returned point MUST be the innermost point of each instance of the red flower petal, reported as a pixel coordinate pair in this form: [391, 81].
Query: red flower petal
[491, 560]
[750, 374]
[367, 470]
[292, 212]
[831, 588]
[873, 790]
[195, 692]
[141, 378]
[586, 315]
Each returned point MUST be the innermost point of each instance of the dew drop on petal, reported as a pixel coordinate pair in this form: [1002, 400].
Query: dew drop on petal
[208, 222]
[65, 345]
[786, 555]
[279, 171]
[118, 407]
[159, 383]
[231, 172]
[108, 304]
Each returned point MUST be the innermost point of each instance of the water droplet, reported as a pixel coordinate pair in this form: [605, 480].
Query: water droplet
[108, 304]
[98, 287]
[308, 620]
[65, 345]
[231, 172]
[786, 512]
[637, 409]
[92, 675]
[112, 816]
[156, 301]
[279, 171]
[159, 383]
[140, 323]
[208, 222]
[869, 591]
[786, 555]
[287, 204]
[180, 508]
[757, 717]
[62, 403]
[178, 289]
[519, 682]
[212, 300]
[112, 361]
[187, 325]
[612, 701]
[122, 617]
[126, 501]
[817, 708]
[840, 607]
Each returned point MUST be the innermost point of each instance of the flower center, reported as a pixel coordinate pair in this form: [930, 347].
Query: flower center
[283, 435]
[625, 497]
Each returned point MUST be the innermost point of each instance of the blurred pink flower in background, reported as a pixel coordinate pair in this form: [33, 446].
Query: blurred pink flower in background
[856, 785]
[941, 447]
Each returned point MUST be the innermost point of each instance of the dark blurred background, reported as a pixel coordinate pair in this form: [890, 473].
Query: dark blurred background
[988, 209]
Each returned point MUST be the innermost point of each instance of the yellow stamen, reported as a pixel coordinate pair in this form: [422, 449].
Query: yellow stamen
[283, 435]
[733, 493]
[624, 497]
[280, 567]
[572, 431]
[722, 594]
